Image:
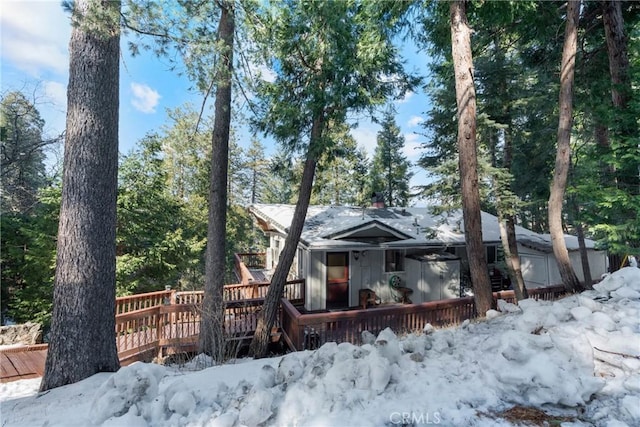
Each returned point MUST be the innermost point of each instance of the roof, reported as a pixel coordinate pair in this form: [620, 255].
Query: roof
[355, 227]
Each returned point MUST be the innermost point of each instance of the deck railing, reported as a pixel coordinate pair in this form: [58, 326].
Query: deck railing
[140, 301]
[294, 291]
[242, 271]
[304, 331]
[253, 260]
[174, 320]
[157, 322]
[308, 331]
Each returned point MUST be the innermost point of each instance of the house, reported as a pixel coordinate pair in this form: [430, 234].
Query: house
[401, 254]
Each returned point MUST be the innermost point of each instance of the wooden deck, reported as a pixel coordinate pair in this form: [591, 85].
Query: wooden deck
[164, 322]
[160, 323]
[21, 363]
[144, 333]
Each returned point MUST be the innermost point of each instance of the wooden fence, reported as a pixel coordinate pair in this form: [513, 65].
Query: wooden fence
[162, 322]
[308, 331]
[294, 291]
[253, 260]
[140, 301]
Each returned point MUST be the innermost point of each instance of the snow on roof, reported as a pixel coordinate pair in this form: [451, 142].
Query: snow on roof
[331, 226]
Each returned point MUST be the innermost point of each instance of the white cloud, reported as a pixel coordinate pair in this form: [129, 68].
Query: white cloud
[56, 93]
[412, 145]
[145, 99]
[365, 135]
[54, 107]
[415, 121]
[406, 98]
[35, 36]
[263, 72]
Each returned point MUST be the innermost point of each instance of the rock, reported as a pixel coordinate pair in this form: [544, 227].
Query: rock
[428, 329]
[29, 333]
[417, 357]
[368, 337]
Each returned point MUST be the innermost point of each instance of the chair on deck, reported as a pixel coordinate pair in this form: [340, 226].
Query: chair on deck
[404, 294]
[368, 297]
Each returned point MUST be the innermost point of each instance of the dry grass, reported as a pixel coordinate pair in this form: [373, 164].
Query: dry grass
[526, 416]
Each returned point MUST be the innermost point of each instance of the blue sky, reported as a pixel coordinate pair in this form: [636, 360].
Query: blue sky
[34, 59]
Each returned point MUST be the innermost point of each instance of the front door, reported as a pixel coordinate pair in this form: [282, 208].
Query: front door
[337, 280]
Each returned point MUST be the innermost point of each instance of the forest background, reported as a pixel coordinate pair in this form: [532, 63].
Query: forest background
[165, 143]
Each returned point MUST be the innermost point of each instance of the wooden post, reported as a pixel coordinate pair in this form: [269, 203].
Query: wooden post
[159, 331]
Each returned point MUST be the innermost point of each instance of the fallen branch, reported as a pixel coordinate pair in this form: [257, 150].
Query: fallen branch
[618, 354]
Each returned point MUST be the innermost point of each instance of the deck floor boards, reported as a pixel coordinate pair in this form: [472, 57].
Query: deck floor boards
[259, 276]
[21, 365]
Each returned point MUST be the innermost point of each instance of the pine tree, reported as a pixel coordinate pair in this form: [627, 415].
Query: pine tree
[82, 339]
[390, 172]
[329, 58]
[212, 339]
[256, 167]
[559, 183]
[466, 101]
[22, 158]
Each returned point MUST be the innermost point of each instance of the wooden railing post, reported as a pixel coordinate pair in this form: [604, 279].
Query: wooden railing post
[159, 332]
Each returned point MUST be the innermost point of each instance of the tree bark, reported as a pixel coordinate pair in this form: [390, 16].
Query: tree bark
[508, 233]
[266, 321]
[563, 154]
[584, 257]
[82, 340]
[626, 125]
[617, 52]
[468, 162]
[511, 257]
[212, 334]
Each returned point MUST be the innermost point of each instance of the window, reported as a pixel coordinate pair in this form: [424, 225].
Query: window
[337, 267]
[492, 256]
[393, 260]
[300, 263]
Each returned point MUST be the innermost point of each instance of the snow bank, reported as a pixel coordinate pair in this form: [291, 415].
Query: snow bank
[577, 355]
[344, 384]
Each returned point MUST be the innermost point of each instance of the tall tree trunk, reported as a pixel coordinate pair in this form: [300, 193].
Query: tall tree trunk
[511, 257]
[584, 257]
[626, 125]
[504, 194]
[508, 231]
[617, 52]
[82, 340]
[563, 154]
[514, 260]
[212, 339]
[266, 321]
[468, 161]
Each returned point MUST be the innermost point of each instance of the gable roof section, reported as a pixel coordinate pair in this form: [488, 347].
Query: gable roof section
[370, 232]
[334, 227]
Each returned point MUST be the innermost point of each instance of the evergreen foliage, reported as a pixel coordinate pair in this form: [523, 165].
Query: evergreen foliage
[517, 47]
[28, 259]
[390, 171]
[22, 156]
[330, 58]
[157, 245]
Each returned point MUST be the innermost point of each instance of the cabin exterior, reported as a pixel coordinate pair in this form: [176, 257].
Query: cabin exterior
[400, 255]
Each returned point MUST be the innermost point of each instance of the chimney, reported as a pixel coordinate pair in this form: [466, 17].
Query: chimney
[377, 200]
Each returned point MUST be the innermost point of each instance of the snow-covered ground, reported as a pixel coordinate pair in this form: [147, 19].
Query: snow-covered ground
[577, 358]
